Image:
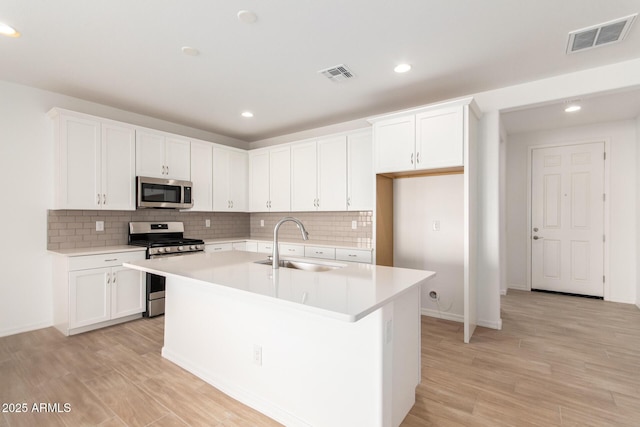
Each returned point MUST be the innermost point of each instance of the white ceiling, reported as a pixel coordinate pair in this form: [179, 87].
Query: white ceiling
[127, 54]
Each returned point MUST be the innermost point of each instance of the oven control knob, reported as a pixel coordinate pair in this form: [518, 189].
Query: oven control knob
[180, 248]
[193, 248]
[167, 249]
[160, 250]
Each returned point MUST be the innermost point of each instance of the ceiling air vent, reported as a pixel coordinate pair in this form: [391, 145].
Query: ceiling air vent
[599, 35]
[338, 73]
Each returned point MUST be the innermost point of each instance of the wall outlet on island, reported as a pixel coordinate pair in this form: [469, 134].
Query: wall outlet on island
[207, 223]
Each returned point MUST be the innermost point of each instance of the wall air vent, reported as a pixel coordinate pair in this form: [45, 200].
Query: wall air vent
[337, 73]
[600, 35]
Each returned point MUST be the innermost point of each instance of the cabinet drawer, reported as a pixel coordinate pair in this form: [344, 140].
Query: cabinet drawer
[239, 246]
[103, 260]
[265, 248]
[320, 252]
[292, 250]
[218, 247]
[355, 255]
[251, 247]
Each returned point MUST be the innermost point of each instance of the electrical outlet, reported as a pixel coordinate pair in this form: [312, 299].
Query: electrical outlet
[436, 225]
[207, 223]
[262, 223]
[99, 225]
[257, 354]
[434, 296]
[354, 225]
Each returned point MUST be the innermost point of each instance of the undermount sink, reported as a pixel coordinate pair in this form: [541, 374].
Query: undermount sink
[302, 265]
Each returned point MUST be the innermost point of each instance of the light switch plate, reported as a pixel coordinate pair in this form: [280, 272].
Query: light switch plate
[354, 225]
[99, 225]
[207, 223]
[436, 225]
[262, 223]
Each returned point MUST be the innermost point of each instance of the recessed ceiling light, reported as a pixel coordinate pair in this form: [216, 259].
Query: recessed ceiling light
[402, 68]
[247, 17]
[191, 51]
[7, 30]
[572, 108]
[247, 114]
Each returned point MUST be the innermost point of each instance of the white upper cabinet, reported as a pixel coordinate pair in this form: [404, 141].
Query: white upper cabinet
[360, 176]
[332, 174]
[95, 162]
[304, 177]
[202, 175]
[395, 144]
[161, 155]
[319, 175]
[428, 138]
[439, 138]
[270, 180]
[230, 192]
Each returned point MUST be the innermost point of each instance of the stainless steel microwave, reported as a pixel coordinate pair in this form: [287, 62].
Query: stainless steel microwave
[163, 193]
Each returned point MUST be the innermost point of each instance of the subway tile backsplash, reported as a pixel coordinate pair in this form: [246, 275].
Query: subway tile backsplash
[69, 229]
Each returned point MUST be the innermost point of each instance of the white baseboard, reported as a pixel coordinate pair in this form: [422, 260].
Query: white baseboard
[442, 315]
[503, 292]
[517, 286]
[492, 324]
[25, 328]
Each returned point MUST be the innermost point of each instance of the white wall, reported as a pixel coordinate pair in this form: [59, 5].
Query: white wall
[418, 202]
[26, 169]
[638, 216]
[621, 198]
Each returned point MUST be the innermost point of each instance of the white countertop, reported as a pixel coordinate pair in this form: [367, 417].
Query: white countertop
[97, 250]
[348, 293]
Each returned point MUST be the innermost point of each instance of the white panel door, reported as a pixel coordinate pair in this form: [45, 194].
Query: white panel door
[567, 219]
[280, 180]
[304, 177]
[395, 144]
[360, 176]
[202, 192]
[80, 186]
[238, 180]
[127, 292]
[439, 138]
[118, 167]
[332, 174]
[89, 297]
[259, 181]
[150, 154]
[178, 158]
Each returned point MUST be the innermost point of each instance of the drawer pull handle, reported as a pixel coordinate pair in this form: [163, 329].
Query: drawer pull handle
[110, 260]
[353, 255]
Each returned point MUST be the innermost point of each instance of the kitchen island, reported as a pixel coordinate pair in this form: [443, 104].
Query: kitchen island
[339, 347]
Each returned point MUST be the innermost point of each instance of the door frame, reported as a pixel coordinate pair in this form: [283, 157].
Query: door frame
[564, 143]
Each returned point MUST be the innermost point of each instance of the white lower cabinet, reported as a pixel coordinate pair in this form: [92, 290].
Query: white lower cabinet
[218, 247]
[94, 291]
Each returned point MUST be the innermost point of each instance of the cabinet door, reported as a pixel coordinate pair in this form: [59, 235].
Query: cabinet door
[127, 292]
[150, 154]
[202, 176]
[259, 181]
[118, 167]
[360, 175]
[178, 158]
[304, 177]
[89, 297]
[439, 138]
[280, 180]
[79, 163]
[395, 144]
[238, 180]
[332, 174]
[221, 200]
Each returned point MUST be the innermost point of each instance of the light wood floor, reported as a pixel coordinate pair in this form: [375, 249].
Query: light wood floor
[558, 361]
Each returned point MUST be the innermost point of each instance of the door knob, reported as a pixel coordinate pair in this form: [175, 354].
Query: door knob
[536, 237]
[535, 229]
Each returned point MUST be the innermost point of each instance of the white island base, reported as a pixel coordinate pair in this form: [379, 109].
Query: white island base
[299, 368]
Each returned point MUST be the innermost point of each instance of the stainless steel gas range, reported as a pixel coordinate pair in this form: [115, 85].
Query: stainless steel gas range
[162, 239]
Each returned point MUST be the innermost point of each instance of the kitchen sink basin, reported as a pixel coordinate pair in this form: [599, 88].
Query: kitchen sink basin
[302, 265]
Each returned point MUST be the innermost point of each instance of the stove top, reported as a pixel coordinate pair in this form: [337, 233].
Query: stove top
[162, 238]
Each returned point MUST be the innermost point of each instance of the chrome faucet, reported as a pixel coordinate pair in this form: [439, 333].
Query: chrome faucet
[276, 253]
